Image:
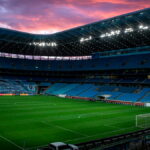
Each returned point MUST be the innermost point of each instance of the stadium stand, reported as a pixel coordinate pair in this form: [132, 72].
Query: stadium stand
[17, 87]
[133, 94]
[146, 97]
[134, 61]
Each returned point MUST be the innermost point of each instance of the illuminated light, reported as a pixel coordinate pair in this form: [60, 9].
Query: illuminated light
[112, 33]
[43, 44]
[118, 32]
[102, 36]
[81, 40]
[127, 30]
[85, 39]
[142, 27]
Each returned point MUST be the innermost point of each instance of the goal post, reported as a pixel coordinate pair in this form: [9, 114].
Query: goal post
[143, 121]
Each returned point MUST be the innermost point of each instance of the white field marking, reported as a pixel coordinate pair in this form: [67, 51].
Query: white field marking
[82, 137]
[91, 115]
[59, 128]
[66, 129]
[103, 114]
[35, 104]
[99, 134]
[82, 116]
[11, 142]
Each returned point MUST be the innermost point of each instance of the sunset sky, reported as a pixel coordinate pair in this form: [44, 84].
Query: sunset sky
[49, 16]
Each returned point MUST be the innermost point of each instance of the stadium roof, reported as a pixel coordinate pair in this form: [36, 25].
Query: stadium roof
[125, 31]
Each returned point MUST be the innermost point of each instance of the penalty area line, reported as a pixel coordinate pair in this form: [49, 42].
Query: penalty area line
[11, 142]
[82, 138]
[75, 132]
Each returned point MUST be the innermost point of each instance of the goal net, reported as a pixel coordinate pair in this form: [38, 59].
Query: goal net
[143, 121]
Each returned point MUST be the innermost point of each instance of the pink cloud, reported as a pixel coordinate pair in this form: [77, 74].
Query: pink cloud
[38, 16]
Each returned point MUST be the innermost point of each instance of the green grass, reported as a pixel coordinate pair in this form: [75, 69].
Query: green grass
[31, 121]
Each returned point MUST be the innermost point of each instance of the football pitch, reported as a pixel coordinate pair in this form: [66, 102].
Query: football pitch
[27, 122]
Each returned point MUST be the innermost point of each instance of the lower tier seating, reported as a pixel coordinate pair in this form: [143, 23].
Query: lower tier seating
[17, 87]
[123, 93]
[87, 90]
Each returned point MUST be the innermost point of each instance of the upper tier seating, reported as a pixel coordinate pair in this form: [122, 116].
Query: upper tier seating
[131, 61]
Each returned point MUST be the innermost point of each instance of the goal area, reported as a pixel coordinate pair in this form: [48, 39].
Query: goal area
[143, 121]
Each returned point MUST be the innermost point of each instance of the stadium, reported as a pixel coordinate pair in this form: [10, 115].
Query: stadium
[88, 86]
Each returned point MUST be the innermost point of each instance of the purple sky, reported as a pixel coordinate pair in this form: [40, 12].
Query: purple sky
[48, 16]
